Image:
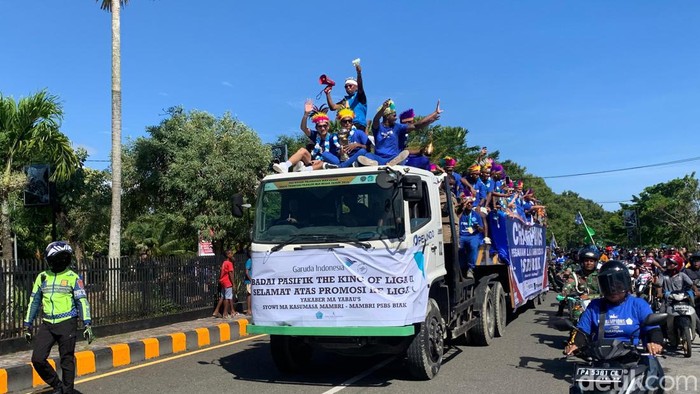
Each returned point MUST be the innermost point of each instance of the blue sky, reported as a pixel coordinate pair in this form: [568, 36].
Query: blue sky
[560, 87]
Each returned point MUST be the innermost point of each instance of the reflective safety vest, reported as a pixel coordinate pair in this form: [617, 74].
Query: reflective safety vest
[62, 296]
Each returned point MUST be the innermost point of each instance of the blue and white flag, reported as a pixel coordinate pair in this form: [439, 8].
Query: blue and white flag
[579, 219]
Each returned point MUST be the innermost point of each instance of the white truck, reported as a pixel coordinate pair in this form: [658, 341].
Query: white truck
[355, 261]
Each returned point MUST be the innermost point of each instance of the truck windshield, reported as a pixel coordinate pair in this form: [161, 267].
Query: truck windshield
[340, 209]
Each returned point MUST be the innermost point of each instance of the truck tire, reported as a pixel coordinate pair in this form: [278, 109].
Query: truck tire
[426, 351]
[500, 309]
[484, 331]
[290, 354]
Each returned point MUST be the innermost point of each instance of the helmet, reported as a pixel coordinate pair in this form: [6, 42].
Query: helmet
[589, 252]
[614, 278]
[58, 255]
[673, 263]
[695, 257]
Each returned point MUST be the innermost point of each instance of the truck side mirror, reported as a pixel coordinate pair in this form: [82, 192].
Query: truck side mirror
[412, 190]
[237, 205]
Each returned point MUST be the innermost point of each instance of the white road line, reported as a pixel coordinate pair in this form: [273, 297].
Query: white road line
[360, 376]
[159, 361]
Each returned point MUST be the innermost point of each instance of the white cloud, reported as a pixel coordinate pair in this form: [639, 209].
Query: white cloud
[227, 84]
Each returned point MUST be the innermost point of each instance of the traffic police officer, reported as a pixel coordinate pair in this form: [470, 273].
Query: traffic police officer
[61, 293]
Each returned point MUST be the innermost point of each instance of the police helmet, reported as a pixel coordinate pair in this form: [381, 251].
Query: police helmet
[589, 252]
[614, 278]
[58, 254]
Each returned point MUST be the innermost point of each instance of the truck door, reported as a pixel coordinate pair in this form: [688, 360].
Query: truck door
[424, 225]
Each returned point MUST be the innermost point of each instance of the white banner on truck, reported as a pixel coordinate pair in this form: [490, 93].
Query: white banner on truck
[339, 287]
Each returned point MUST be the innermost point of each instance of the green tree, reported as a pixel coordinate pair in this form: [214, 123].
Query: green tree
[669, 212]
[185, 174]
[114, 6]
[29, 129]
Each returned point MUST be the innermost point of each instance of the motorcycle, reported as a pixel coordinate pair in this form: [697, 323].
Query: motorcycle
[615, 366]
[684, 319]
[555, 280]
[575, 305]
[643, 285]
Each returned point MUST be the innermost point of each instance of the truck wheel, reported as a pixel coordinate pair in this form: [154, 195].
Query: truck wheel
[290, 354]
[501, 309]
[426, 351]
[484, 330]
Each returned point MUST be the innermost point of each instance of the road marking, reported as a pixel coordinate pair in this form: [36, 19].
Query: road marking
[360, 376]
[104, 375]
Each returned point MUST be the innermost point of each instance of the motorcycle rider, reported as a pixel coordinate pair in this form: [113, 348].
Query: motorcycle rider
[62, 294]
[672, 279]
[623, 313]
[583, 282]
[693, 273]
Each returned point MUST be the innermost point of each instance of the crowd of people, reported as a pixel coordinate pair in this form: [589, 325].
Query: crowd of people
[482, 194]
[666, 269]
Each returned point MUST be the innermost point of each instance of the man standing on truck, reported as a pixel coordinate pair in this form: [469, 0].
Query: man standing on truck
[471, 236]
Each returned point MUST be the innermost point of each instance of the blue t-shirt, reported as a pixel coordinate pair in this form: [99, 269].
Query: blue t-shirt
[386, 140]
[527, 205]
[358, 103]
[483, 188]
[249, 267]
[358, 136]
[418, 161]
[459, 186]
[467, 220]
[620, 320]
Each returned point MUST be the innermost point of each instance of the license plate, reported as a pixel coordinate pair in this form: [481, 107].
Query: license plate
[599, 374]
[682, 309]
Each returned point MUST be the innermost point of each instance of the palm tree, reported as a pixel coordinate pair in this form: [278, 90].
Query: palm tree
[115, 230]
[28, 129]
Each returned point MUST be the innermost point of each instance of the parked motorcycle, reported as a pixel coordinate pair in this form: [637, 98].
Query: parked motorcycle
[615, 366]
[684, 319]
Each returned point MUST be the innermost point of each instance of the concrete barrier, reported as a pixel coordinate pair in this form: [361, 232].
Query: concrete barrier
[23, 377]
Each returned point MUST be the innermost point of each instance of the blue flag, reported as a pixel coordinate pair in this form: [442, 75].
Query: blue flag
[579, 219]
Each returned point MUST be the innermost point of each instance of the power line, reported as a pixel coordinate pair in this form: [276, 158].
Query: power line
[100, 161]
[622, 169]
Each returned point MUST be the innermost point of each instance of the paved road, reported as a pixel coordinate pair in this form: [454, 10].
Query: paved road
[528, 359]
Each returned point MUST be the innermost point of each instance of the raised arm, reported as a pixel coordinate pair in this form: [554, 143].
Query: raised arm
[378, 115]
[333, 106]
[360, 86]
[308, 106]
[428, 119]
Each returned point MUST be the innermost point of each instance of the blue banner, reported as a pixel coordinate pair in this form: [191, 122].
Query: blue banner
[526, 257]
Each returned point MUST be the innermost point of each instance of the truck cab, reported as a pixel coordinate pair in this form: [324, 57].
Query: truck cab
[356, 261]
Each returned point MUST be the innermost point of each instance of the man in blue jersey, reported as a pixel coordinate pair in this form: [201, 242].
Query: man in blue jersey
[355, 99]
[471, 236]
[389, 135]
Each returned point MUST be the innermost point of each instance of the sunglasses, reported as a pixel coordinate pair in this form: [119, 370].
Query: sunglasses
[322, 126]
[346, 121]
[349, 85]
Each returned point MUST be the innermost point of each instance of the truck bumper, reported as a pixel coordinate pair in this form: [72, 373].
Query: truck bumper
[401, 331]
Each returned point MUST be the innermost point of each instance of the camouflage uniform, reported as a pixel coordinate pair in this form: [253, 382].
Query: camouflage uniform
[590, 284]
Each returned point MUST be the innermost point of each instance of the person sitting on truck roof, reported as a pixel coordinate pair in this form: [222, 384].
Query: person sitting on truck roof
[356, 141]
[471, 236]
[389, 136]
[325, 143]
